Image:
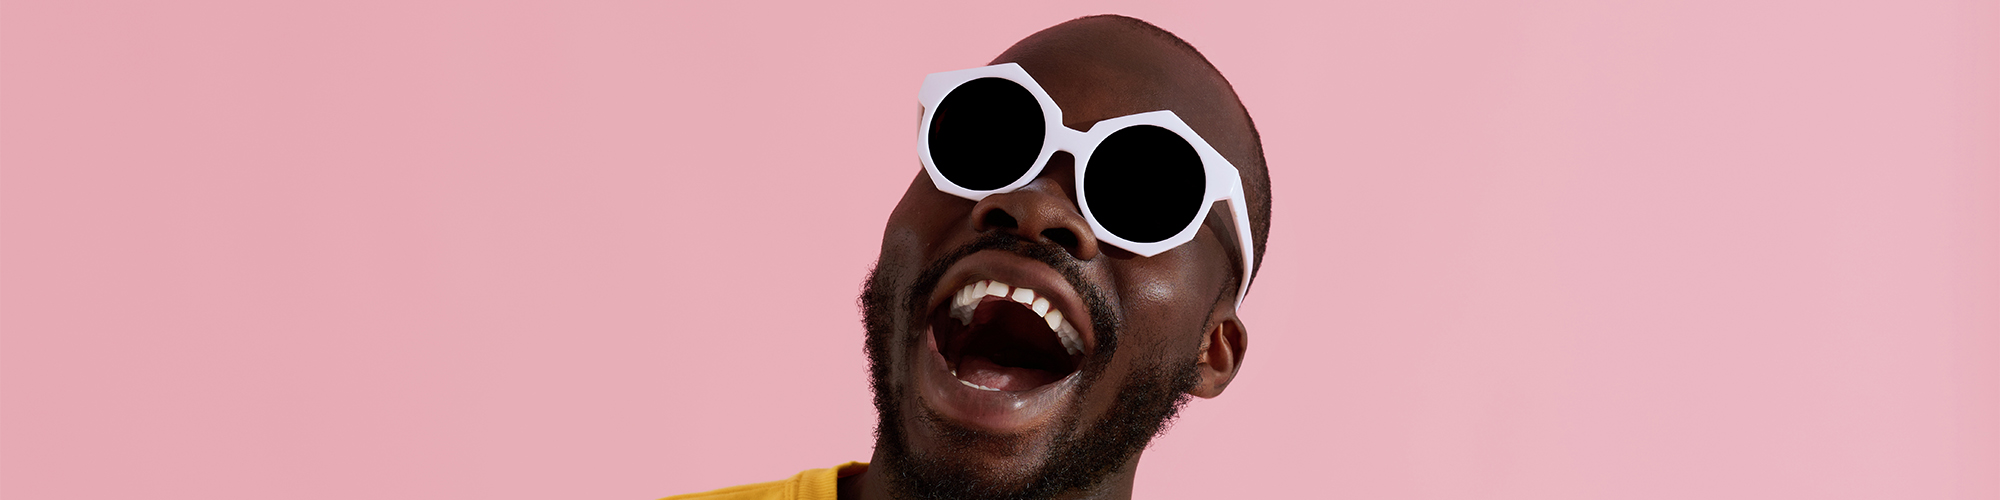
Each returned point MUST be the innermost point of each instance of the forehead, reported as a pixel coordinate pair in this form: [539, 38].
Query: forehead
[1103, 73]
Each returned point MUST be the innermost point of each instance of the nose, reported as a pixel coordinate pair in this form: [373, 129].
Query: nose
[1042, 211]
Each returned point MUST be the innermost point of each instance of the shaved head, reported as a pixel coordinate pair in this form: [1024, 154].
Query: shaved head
[1132, 64]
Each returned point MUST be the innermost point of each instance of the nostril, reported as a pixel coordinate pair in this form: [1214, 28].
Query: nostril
[1061, 237]
[999, 218]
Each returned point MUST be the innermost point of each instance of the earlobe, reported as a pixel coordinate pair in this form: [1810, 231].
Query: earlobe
[1222, 348]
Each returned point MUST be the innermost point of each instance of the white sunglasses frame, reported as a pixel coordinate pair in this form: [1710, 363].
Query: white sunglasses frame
[1224, 183]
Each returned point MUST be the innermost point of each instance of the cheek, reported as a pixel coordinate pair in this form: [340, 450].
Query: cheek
[1177, 283]
[1162, 314]
[922, 219]
[1166, 299]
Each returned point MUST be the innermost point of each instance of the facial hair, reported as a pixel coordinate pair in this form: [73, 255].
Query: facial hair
[1078, 458]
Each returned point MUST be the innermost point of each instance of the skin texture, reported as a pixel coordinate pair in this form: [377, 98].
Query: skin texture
[1165, 327]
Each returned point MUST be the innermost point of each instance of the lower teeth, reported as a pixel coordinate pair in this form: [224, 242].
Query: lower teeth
[954, 374]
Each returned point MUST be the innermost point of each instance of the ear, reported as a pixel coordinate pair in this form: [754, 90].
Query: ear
[1222, 348]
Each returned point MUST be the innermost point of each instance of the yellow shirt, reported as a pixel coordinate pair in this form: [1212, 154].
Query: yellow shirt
[815, 484]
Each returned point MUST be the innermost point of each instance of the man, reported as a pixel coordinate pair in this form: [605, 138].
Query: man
[1030, 329]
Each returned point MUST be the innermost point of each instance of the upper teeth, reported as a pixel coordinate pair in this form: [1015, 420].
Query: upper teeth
[967, 300]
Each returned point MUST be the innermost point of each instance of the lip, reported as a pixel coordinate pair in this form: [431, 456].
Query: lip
[999, 411]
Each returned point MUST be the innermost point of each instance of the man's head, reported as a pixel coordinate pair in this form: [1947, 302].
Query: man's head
[984, 390]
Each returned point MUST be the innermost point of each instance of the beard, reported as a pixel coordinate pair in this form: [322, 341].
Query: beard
[1077, 458]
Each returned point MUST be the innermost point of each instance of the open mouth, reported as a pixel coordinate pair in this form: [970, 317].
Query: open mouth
[998, 337]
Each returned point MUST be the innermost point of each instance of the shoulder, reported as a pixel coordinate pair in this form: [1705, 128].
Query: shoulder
[774, 490]
[814, 484]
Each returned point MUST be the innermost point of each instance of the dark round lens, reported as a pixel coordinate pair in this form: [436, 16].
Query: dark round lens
[1144, 183]
[986, 134]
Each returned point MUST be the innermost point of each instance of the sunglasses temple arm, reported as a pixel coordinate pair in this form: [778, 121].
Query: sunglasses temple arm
[1238, 206]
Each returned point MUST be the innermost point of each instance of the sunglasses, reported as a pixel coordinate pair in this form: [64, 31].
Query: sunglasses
[1145, 182]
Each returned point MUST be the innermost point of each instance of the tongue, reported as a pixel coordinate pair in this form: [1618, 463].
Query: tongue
[979, 370]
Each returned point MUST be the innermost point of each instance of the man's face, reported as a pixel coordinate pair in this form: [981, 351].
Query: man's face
[986, 390]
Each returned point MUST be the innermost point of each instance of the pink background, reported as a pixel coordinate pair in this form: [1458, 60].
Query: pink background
[514, 250]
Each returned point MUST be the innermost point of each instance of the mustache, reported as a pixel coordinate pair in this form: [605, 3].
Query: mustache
[1103, 319]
